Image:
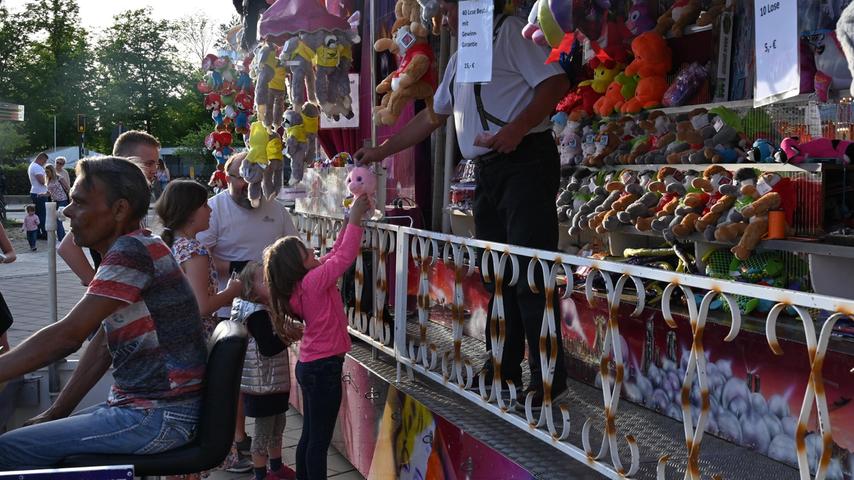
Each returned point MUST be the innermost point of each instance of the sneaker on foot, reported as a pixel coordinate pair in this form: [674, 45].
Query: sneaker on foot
[244, 446]
[235, 462]
[284, 473]
[33, 249]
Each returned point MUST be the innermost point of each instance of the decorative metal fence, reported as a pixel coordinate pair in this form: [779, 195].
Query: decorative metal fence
[617, 454]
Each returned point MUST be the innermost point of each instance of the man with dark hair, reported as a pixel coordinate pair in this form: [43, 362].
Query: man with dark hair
[148, 327]
[503, 126]
[38, 189]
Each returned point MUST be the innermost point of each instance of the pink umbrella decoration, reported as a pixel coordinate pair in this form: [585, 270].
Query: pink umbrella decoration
[289, 17]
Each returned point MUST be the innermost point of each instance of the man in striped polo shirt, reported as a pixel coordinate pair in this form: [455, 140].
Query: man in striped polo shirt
[148, 325]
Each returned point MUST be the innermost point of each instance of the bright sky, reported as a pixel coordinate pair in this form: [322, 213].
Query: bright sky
[99, 13]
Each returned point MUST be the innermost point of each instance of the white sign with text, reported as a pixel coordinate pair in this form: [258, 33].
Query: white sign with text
[474, 42]
[777, 67]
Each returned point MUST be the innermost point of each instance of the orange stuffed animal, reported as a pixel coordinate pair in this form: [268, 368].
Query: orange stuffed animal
[652, 62]
[612, 100]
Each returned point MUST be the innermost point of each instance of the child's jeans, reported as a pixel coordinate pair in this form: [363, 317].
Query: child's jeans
[32, 236]
[320, 381]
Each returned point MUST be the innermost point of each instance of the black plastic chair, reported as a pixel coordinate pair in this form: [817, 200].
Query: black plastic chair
[218, 416]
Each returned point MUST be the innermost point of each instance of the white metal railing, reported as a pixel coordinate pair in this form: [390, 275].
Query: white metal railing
[453, 369]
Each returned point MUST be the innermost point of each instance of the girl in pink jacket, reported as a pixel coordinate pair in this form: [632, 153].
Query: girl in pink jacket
[305, 288]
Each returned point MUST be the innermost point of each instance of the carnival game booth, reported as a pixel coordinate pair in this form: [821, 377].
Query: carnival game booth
[701, 288]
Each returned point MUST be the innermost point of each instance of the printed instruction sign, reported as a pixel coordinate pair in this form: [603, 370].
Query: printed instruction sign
[474, 42]
[777, 65]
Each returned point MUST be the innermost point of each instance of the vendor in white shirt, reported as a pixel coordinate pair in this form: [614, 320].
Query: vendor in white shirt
[518, 168]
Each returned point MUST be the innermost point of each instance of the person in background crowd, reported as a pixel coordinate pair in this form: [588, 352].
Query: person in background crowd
[143, 150]
[504, 127]
[7, 255]
[162, 177]
[266, 382]
[304, 287]
[218, 181]
[148, 327]
[59, 194]
[62, 172]
[183, 208]
[31, 227]
[238, 234]
[38, 190]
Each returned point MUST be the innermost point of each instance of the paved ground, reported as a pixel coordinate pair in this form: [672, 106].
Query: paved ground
[24, 285]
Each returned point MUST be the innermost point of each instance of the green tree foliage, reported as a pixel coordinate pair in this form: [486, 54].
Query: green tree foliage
[136, 73]
[45, 65]
[12, 142]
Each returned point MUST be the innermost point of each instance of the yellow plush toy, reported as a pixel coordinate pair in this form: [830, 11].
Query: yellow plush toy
[252, 170]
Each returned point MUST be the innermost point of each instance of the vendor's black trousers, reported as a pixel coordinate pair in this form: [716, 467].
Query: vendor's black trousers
[515, 203]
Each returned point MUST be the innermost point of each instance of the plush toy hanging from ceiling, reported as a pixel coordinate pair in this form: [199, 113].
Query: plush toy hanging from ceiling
[415, 77]
[549, 21]
[314, 43]
[269, 87]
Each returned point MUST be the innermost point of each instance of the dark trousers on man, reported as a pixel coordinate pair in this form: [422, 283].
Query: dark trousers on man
[515, 203]
[39, 201]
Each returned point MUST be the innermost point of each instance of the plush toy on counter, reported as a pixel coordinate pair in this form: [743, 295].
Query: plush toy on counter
[569, 145]
[630, 191]
[776, 193]
[792, 151]
[681, 14]
[645, 205]
[668, 186]
[598, 195]
[361, 181]
[762, 151]
[718, 182]
[687, 211]
[607, 142]
[414, 79]
[732, 224]
[688, 141]
[711, 14]
[270, 87]
[639, 19]
[611, 101]
[652, 62]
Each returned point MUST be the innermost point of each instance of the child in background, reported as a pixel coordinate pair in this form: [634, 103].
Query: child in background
[266, 382]
[31, 226]
[304, 287]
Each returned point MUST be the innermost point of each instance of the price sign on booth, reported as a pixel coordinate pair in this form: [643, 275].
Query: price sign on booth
[777, 67]
[474, 41]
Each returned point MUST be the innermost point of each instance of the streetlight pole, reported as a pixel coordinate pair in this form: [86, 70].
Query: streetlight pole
[54, 133]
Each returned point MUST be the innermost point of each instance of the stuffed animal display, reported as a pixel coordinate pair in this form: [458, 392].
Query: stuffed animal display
[229, 96]
[415, 77]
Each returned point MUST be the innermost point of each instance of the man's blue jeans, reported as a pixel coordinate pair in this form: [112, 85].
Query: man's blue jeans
[99, 429]
[39, 201]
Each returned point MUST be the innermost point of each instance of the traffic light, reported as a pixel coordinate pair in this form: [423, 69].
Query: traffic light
[81, 123]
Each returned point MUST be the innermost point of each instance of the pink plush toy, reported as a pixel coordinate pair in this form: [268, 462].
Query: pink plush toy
[361, 181]
[792, 151]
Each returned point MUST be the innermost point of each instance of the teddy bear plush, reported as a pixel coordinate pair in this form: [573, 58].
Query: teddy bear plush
[296, 144]
[361, 181]
[711, 14]
[674, 188]
[732, 224]
[327, 56]
[273, 178]
[414, 79]
[310, 124]
[298, 59]
[252, 170]
[607, 142]
[681, 14]
[270, 87]
[652, 62]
